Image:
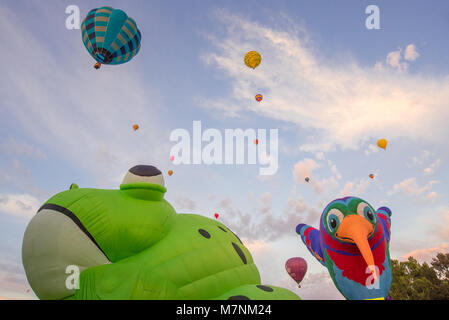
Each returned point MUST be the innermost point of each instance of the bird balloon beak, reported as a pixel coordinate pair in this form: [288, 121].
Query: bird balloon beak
[356, 229]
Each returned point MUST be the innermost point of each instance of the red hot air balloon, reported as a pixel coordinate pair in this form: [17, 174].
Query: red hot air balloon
[296, 268]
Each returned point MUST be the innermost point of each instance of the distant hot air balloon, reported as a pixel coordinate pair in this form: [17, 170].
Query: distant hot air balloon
[110, 36]
[216, 215]
[307, 179]
[296, 268]
[135, 127]
[256, 141]
[170, 172]
[259, 97]
[371, 176]
[382, 143]
[172, 158]
[252, 59]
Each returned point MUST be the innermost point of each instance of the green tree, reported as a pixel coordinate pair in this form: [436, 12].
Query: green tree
[415, 281]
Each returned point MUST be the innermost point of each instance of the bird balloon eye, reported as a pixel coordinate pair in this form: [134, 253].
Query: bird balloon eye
[365, 211]
[334, 218]
[333, 223]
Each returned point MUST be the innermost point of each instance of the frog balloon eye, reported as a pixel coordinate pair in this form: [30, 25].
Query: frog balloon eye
[334, 218]
[366, 211]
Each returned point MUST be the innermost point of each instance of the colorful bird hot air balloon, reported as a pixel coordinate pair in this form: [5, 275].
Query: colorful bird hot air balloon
[135, 127]
[296, 268]
[259, 97]
[252, 59]
[353, 243]
[382, 143]
[110, 36]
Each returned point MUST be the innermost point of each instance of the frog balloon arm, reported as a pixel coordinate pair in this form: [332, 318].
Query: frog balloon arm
[384, 216]
[311, 238]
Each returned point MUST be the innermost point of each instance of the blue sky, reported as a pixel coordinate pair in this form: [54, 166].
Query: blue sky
[331, 87]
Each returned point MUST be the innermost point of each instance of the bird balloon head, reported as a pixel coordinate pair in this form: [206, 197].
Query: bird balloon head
[351, 222]
[353, 244]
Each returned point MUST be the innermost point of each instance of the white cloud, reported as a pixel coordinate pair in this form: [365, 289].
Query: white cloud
[266, 202]
[319, 155]
[12, 146]
[432, 167]
[411, 188]
[419, 159]
[431, 195]
[13, 282]
[303, 169]
[334, 169]
[183, 202]
[427, 254]
[21, 205]
[352, 188]
[342, 103]
[371, 149]
[394, 60]
[410, 53]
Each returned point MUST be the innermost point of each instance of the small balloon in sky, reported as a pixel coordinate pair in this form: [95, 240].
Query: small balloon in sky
[252, 59]
[216, 215]
[258, 97]
[296, 268]
[172, 158]
[307, 179]
[170, 172]
[256, 141]
[135, 127]
[371, 176]
[382, 143]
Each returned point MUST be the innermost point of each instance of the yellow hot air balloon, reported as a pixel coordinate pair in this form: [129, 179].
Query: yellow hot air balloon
[253, 59]
[382, 143]
[135, 127]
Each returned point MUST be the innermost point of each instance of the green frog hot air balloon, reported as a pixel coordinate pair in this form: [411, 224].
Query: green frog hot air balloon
[110, 36]
[130, 243]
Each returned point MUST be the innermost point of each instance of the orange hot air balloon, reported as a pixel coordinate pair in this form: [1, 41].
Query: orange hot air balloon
[371, 176]
[170, 172]
[258, 97]
[135, 127]
[382, 143]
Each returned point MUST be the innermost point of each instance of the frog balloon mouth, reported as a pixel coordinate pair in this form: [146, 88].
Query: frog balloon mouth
[144, 191]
